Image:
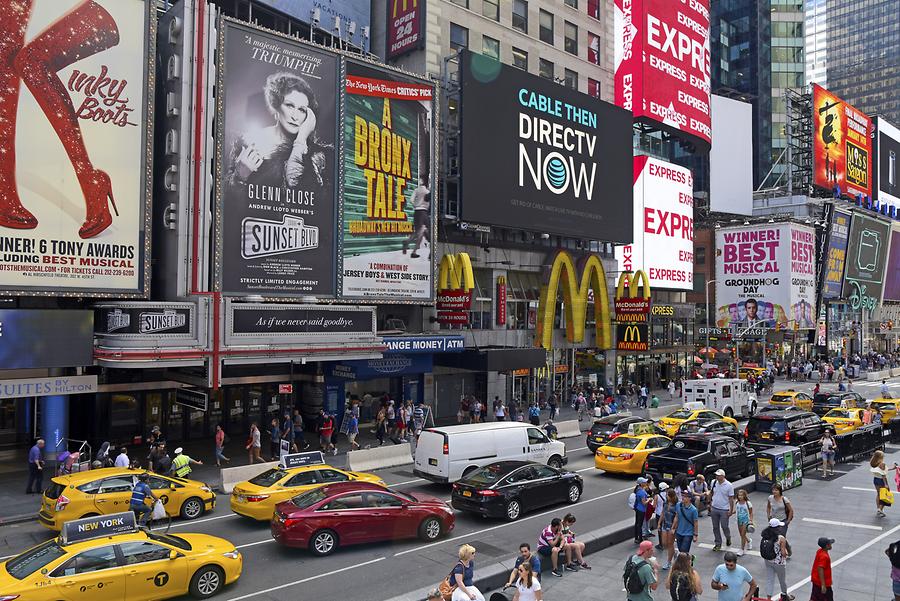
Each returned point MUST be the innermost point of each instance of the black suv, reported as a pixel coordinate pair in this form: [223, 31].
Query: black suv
[606, 428]
[791, 427]
[823, 402]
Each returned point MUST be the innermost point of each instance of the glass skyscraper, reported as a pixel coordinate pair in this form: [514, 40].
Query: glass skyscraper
[863, 56]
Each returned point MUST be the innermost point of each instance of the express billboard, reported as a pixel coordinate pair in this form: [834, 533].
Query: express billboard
[560, 160]
[387, 230]
[835, 255]
[892, 270]
[277, 161]
[867, 249]
[405, 27]
[765, 276]
[76, 107]
[842, 145]
[663, 241]
[662, 64]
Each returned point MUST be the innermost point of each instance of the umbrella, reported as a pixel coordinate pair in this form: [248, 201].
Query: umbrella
[725, 351]
[707, 350]
[698, 360]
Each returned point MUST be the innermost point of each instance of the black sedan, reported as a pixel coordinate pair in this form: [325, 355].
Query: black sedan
[507, 489]
[711, 426]
[606, 428]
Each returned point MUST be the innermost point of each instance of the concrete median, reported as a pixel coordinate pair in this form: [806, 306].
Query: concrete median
[568, 429]
[379, 457]
[233, 475]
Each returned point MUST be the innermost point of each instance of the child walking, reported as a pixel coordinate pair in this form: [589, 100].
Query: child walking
[744, 511]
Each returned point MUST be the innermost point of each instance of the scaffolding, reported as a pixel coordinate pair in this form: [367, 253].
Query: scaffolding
[794, 166]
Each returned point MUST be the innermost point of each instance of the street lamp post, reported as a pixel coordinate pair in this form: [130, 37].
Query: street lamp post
[706, 362]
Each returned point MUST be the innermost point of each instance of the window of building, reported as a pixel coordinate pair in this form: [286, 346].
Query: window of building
[463, 3]
[593, 52]
[491, 9]
[593, 87]
[571, 40]
[594, 8]
[520, 58]
[546, 27]
[571, 80]
[490, 47]
[520, 15]
[892, 168]
[700, 255]
[572, 3]
[546, 69]
[459, 37]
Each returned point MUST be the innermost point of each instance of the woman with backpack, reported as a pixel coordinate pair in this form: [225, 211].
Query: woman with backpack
[774, 548]
[683, 582]
[462, 575]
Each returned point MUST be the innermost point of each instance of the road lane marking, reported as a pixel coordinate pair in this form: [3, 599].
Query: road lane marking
[858, 488]
[530, 517]
[849, 555]
[316, 577]
[735, 549]
[259, 542]
[407, 482]
[192, 522]
[585, 469]
[848, 524]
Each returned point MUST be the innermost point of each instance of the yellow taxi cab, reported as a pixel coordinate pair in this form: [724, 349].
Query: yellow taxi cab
[743, 372]
[108, 558]
[108, 490]
[299, 472]
[673, 421]
[627, 453]
[844, 420]
[791, 398]
[889, 408]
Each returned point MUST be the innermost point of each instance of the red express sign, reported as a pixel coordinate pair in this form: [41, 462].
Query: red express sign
[404, 26]
[663, 63]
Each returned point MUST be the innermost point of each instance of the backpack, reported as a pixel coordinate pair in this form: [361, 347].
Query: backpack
[533, 411]
[767, 544]
[632, 498]
[632, 577]
[681, 588]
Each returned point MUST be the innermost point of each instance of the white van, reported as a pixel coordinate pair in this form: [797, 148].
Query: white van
[729, 396]
[448, 453]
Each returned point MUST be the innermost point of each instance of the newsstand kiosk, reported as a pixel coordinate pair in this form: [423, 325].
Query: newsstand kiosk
[778, 465]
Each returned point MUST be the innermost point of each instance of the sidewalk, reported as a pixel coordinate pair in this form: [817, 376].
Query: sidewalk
[16, 506]
[841, 508]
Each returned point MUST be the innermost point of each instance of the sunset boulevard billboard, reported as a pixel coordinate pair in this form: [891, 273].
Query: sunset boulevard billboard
[387, 230]
[842, 145]
[663, 225]
[76, 106]
[277, 200]
[765, 276]
[662, 64]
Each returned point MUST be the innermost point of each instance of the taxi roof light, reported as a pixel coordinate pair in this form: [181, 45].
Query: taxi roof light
[98, 526]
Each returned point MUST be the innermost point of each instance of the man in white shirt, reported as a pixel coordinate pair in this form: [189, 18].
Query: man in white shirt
[122, 460]
[721, 509]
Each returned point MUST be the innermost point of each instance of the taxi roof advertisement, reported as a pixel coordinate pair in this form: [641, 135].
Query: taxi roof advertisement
[662, 60]
[560, 161]
[765, 276]
[842, 145]
[663, 244]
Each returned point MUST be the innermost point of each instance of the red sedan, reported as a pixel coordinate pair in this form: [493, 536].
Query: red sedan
[350, 513]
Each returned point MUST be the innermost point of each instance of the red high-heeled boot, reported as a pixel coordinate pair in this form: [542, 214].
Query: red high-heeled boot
[84, 31]
[14, 15]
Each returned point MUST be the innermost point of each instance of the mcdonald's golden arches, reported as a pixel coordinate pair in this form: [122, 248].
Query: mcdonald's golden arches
[455, 284]
[631, 308]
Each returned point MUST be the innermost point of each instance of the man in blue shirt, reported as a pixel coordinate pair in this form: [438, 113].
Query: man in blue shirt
[729, 579]
[686, 524]
[525, 556]
[35, 468]
[140, 492]
[640, 507]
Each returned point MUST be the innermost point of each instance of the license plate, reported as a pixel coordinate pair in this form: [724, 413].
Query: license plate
[467, 493]
[667, 476]
[766, 435]
[432, 462]
[611, 457]
[598, 439]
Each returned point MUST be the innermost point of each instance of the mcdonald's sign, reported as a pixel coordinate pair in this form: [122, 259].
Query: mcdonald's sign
[632, 337]
[631, 308]
[576, 291]
[456, 280]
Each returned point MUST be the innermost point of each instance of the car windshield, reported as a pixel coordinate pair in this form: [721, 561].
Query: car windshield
[486, 476]
[602, 428]
[827, 400]
[405, 496]
[680, 414]
[756, 427]
[308, 499]
[689, 444]
[842, 413]
[688, 427]
[268, 477]
[783, 397]
[169, 539]
[54, 490]
[30, 561]
[623, 443]
[884, 405]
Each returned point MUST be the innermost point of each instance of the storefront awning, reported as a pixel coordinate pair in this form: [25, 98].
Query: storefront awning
[500, 359]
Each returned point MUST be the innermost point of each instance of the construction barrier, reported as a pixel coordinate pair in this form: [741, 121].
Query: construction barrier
[568, 429]
[392, 455]
[233, 475]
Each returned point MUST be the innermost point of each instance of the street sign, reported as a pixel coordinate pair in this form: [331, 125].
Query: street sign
[301, 459]
[195, 399]
[285, 388]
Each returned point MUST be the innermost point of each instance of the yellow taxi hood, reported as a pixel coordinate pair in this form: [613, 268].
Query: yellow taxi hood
[207, 542]
[247, 488]
[366, 477]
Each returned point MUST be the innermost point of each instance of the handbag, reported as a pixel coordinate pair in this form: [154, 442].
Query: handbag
[886, 496]
[447, 586]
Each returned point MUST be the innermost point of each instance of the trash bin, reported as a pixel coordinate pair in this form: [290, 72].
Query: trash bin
[779, 465]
